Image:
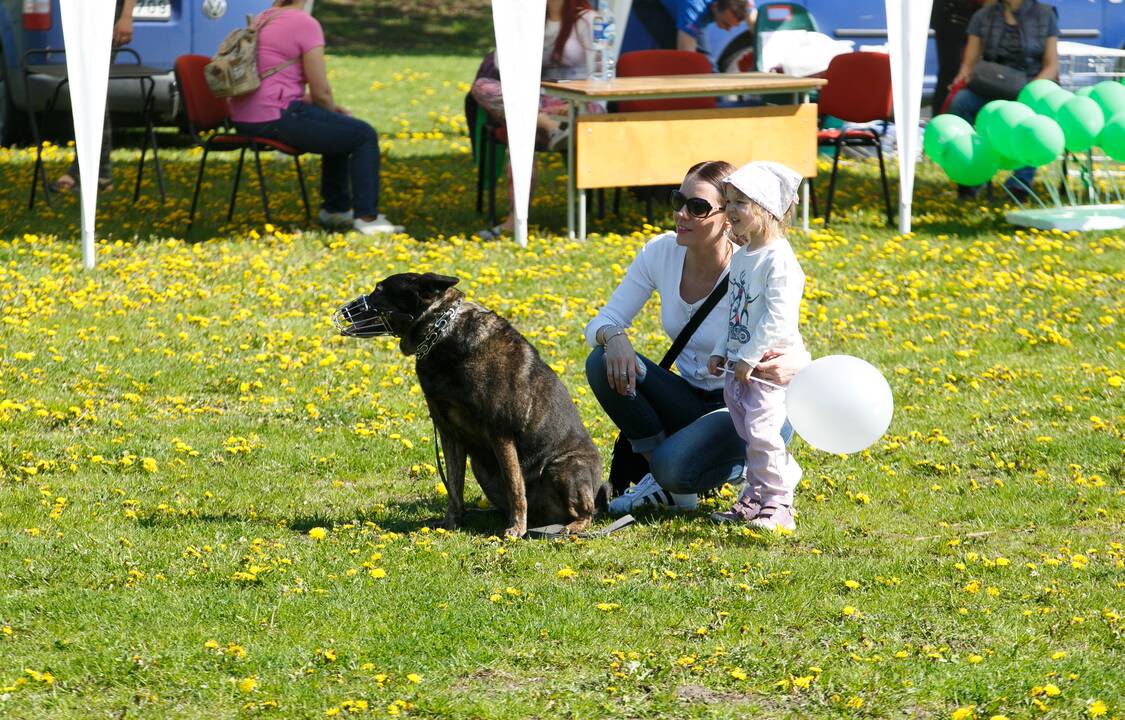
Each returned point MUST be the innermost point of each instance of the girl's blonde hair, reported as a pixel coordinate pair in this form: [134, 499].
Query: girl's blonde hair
[765, 223]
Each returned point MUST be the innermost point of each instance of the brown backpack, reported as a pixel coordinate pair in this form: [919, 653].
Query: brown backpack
[233, 70]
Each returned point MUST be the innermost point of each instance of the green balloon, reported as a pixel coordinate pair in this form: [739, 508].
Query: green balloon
[940, 129]
[1007, 162]
[1110, 97]
[1034, 92]
[986, 114]
[968, 160]
[1081, 120]
[1038, 140]
[1002, 124]
[1050, 105]
[1084, 91]
[1112, 139]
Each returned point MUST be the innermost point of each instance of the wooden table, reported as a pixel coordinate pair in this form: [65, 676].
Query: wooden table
[655, 148]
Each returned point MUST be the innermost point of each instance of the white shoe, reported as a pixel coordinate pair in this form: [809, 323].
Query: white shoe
[374, 227]
[649, 492]
[335, 219]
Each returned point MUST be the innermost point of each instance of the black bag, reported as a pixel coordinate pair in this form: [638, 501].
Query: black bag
[994, 81]
[626, 466]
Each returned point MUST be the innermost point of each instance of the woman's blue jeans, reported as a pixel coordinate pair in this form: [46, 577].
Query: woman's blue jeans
[688, 432]
[966, 104]
[349, 148]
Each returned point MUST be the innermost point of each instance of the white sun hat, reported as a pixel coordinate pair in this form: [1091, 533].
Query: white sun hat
[769, 184]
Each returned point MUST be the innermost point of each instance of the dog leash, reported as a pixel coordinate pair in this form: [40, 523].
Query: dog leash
[551, 532]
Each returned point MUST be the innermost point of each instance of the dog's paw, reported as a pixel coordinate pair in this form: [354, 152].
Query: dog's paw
[446, 523]
[516, 531]
[578, 526]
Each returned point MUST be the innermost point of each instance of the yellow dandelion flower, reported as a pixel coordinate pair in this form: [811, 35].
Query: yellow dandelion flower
[318, 533]
[247, 685]
[964, 713]
[1096, 709]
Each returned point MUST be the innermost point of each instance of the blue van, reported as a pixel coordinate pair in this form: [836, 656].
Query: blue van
[1093, 22]
[162, 31]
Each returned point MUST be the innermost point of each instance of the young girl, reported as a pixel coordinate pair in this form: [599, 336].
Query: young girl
[766, 283]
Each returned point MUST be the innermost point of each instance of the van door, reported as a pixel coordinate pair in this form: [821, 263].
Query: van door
[161, 32]
[865, 23]
[209, 28]
[1080, 20]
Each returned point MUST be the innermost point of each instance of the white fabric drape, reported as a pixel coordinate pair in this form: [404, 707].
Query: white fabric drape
[908, 23]
[519, 55]
[88, 37]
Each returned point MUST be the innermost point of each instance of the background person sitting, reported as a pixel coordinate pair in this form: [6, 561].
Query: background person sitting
[1021, 34]
[281, 110]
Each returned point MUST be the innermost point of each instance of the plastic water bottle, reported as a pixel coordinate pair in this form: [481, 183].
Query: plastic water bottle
[605, 32]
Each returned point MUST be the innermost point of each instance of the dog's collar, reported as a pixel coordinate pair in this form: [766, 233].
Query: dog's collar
[437, 330]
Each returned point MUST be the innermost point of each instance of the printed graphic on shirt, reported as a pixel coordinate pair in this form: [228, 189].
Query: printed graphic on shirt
[740, 302]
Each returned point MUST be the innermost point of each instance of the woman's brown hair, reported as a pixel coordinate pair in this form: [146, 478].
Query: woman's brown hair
[712, 172]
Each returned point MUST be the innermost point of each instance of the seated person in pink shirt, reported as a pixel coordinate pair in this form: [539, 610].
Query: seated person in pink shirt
[291, 44]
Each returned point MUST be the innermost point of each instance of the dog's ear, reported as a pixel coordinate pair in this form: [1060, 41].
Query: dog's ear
[433, 285]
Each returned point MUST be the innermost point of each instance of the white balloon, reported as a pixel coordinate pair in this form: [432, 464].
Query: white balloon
[840, 404]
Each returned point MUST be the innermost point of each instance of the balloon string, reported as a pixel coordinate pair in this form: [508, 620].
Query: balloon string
[755, 379]
[1112, 175]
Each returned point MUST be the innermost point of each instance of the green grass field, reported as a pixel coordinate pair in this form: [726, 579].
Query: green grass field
[211, 506]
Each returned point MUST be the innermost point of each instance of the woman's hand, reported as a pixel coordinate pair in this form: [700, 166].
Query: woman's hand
[621, 364]
[715, 364]
[742, 372]
[779, 366]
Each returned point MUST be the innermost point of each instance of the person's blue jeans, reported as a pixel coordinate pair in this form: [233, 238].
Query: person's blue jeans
[349, 148]
[687, 432]
[966, 104]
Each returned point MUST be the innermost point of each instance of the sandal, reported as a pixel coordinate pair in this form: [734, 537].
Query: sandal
[67, 184]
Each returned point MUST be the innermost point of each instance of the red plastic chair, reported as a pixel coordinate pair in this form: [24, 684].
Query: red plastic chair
[858, 91]
[207, 113]
[644, 63]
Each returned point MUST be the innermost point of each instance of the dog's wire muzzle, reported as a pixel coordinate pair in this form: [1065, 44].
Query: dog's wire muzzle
[361, 319]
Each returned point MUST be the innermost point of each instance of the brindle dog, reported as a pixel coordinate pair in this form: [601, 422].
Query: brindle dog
[492, 399]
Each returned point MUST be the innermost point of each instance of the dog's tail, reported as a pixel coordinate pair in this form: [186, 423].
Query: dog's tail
[601, 500]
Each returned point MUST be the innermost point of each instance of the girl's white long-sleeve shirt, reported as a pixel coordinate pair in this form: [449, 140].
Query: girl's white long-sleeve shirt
[763, 303]
[659, 268]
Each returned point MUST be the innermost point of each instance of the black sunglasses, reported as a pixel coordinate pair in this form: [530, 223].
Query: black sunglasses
[696, 207]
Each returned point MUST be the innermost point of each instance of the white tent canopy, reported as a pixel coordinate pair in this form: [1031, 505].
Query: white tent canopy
[87, 26]
[88, 36]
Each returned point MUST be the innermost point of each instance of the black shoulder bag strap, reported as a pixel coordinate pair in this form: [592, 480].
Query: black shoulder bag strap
[697, 319]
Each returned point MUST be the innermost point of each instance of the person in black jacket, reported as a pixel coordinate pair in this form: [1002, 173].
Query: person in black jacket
[950, 21]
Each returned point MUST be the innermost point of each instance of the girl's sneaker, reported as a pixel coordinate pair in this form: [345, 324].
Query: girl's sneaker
[745, 509]
[649, 492]
[774, 517]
